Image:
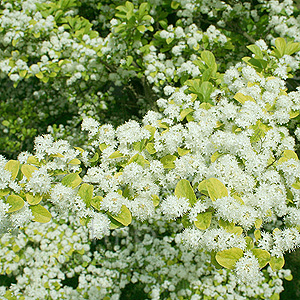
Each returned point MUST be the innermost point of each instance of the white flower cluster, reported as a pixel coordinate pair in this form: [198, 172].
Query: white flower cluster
[183, 44]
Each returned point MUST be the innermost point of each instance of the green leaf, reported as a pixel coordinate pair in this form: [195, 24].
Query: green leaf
[124, 217]
[242, 98]
[102, 147]
[296, 185]
[184, 189]
[27, 170]
[275, 296]
[33, 161]
[249, 242]
[75, 161]
[23, 73]
[5, 123]
[140, 146]
[288, 154]
[294, 113]
[86, 193]
[71, 180]
[139, 159]
[206, 89]
[277, 263]
[142, 9]
[214, 261]
[174, 5]
[152, 130]
[95, 157]
[288, 277]
[4, 192]
[185, 112]
[215, 156]
[13, 167]
[129, 59]
[256, 50]
[169, 40]
[96, 202]
[257, 234]
[150, 148]
[33, 199]
[262, 256]
[40, 213]
[116, 154]
[155, 200]
[39, 75]
[141, 28]
[292, 48]
[280, 46]
[16, 203]
[203, 220]
[216, 189]
[258, 223]
[228, 258]
[168, 161]
[208, 58]
[260, 130]
[183, 152]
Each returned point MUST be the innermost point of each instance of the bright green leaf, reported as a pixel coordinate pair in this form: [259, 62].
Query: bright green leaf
[203, 220]
[183, 152]
[215, 156]
[184, 189]
[27, 170]
[40, 213]
[280, 46]
[116, 154]
[208, 58]
[150, 148]
[262, 256]
[185, 112]
[75, 161]
[256, 50]
[71, 180]
[96, 202]
[242, 98]
[139, 159]
[13, 167]
[292, 48]
[168, 161]
[216, 189]
[33, 199]
[124, 217]
[228, 258]
[86, 193]
[155, 200]
[276, 263]
[16, 203]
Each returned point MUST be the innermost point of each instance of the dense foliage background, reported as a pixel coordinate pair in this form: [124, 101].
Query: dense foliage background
[64, 61]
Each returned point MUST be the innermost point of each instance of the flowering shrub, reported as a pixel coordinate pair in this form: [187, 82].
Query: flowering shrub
[59, 261]
[216, 155]
[221, 161]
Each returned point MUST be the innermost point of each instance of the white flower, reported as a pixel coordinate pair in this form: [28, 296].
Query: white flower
[99, 226]
[247, 269]
[39, 182]
[112, 202]
[173, 207]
